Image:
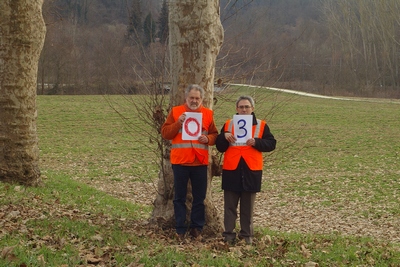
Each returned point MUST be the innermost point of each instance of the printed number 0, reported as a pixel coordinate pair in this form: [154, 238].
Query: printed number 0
[242, 128]
[197, 131]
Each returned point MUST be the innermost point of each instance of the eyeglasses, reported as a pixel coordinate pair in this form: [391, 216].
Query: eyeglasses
[246, 107]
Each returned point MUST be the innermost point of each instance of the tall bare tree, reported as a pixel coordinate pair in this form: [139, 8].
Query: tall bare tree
[365, 34]
[195, 38]
[22, 32]
[163, 23]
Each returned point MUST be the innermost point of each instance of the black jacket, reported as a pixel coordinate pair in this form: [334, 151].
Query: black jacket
[244, 179]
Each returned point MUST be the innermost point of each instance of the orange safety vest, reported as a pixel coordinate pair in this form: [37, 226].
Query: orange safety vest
[185, 151]
[252, 156]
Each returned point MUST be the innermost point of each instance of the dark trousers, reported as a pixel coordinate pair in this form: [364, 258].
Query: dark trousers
[198, 178]
[231, 200]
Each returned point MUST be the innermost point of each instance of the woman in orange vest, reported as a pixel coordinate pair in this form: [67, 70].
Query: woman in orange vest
[242, 170]
[189, 158]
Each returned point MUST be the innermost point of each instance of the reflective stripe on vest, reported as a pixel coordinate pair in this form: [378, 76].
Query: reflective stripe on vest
[190, 145]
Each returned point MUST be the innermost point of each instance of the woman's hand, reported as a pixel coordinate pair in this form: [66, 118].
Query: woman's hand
[230, 137]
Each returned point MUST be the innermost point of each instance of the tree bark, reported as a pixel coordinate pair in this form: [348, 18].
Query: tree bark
[195, 38]
[22, 33]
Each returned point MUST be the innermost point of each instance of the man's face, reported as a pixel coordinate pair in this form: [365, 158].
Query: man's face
[193, 99]
[244, 107]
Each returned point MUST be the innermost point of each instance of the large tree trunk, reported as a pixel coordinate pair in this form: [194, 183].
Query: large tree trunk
[22, 32]
[195, 38]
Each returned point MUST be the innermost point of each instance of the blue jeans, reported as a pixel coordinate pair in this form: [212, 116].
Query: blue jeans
[198, 179]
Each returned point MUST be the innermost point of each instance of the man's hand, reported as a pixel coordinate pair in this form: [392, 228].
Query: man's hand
[203, 139]
[182, 118]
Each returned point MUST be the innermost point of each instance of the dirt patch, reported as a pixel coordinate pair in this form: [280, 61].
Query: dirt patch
[281, 211]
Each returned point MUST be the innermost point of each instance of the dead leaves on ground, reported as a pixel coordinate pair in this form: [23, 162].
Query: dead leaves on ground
[15, 219]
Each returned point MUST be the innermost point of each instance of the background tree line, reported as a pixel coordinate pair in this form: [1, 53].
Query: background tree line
[332, 47]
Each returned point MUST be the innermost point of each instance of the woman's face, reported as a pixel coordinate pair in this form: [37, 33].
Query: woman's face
[244, 107]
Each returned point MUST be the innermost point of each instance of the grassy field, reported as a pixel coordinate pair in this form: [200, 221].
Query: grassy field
[330, 195]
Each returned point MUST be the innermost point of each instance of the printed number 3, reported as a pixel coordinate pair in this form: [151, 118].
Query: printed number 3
[241, 127]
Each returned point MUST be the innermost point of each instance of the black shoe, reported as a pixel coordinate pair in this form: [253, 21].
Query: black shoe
[180, 237]
[247, 239]
[230, 242]
[195, 233]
